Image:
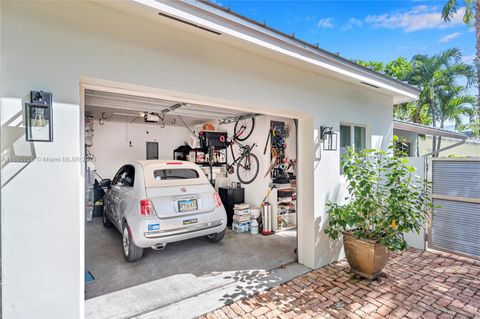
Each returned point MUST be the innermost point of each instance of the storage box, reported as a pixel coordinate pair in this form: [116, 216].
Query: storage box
[241, 206]
[240, 227]
[215, 139]
[241, 211]
[242, 218]
[286, 192]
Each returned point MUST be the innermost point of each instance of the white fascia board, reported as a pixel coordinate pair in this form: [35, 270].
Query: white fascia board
[401, 92]
[427, 130]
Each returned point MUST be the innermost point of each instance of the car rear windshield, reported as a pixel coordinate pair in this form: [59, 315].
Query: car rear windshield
[175, 173]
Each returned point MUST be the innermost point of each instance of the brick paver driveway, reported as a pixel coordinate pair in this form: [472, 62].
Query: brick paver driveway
[419, 285]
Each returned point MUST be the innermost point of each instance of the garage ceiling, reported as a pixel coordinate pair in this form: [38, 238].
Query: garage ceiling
[114, 104]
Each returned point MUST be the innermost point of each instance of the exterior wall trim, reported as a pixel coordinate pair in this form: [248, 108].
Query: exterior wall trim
[305, 180]
[227, 24]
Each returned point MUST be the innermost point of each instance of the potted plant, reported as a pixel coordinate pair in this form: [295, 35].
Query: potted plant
[386, 200]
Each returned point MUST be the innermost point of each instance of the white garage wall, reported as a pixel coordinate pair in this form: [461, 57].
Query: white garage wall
[50, 45]
[111, 143]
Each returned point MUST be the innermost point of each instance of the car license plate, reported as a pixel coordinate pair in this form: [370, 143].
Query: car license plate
[187, 205]
[153, 226]
[190, 221]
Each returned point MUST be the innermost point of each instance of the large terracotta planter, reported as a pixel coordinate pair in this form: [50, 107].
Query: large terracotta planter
[365, 257]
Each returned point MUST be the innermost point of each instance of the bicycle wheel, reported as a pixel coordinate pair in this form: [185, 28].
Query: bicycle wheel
[244, 128]
[247, 168]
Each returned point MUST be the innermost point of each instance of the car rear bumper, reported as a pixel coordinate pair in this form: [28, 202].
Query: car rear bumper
[166, 237]
[150, 232]
[182, 230]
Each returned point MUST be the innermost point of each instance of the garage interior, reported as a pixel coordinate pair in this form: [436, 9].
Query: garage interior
[120, 128]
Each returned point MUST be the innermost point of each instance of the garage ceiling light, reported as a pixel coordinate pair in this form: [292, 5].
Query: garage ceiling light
[151, 118]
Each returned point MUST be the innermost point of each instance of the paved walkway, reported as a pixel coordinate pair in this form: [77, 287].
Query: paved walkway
[419, 285]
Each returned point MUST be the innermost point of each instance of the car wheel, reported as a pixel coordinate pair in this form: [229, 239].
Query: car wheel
[106, 222]
[215, 237]
[130, 251]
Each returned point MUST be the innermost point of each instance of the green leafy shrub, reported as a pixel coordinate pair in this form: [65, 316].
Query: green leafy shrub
[386, 199]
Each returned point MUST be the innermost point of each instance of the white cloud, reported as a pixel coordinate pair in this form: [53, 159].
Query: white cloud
[469, 58]
[420, 9]
[449, 37]
[418, 18]
[352, 22]
[326, 23]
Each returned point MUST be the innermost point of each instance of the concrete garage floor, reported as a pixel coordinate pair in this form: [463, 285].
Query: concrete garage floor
[195, 257]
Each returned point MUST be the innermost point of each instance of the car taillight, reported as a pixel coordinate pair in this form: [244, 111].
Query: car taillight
[218, 201]
[146, 207]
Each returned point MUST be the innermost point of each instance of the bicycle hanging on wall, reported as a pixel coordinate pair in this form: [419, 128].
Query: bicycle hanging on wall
[247, 164]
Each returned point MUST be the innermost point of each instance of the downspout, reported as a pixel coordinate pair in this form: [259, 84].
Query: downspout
[434, 123]
[439, 142]
[418, 146]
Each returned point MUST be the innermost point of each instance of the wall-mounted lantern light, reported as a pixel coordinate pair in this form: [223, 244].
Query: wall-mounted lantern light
[329, 138]
[38, 114]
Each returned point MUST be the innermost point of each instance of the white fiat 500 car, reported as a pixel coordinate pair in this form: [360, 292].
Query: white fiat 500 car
[156, 202]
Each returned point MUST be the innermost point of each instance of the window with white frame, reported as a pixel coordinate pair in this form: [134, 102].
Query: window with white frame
[354, 136]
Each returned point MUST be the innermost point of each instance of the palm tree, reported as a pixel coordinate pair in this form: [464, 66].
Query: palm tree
[454, 105]
[436, 73]
[400, 69]
[470, 17]
[451, 7]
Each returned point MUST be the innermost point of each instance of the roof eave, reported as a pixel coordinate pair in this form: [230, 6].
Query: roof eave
[225, 22]
[324, 53]
[426, 130]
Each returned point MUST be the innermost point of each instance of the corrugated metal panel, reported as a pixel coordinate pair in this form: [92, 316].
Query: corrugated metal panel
[456, 224]
[456, 227]
[456, 178]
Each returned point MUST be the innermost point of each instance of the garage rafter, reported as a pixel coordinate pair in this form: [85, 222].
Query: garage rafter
[137, 106]
[233, 119]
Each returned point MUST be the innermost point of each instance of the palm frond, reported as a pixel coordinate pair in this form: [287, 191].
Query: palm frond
[449, 10]
[469, 16]
[450, 55]
[464, 70]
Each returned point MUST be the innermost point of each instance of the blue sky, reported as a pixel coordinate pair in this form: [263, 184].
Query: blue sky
[368, 30]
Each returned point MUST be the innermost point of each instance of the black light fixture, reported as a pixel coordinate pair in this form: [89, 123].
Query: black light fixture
[329, 138]
[38, 114]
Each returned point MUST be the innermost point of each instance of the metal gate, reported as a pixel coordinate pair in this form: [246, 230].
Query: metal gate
[455, 223]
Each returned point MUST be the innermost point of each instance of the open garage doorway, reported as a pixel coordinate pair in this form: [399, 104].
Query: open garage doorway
[125, 132]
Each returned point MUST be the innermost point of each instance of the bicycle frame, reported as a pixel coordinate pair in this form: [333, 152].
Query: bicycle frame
[244, 149]
[247, 163]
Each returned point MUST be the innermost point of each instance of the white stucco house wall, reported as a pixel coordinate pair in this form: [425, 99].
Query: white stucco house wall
[210, 56]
